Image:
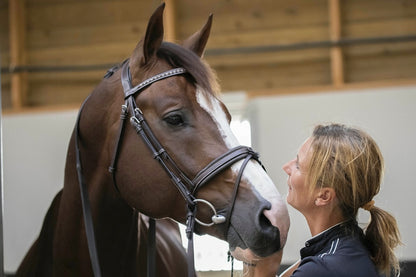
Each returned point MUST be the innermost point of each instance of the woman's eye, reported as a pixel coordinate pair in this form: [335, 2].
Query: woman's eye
[174, 120]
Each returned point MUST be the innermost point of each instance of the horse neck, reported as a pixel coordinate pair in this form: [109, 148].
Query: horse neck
[115, 222]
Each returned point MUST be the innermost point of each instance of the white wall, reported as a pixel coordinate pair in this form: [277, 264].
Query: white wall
[280, 125]
[34, 151]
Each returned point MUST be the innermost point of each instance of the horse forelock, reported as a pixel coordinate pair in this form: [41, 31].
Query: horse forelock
[202, 74]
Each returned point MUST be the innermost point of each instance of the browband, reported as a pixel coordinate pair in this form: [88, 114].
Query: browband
[126, 80]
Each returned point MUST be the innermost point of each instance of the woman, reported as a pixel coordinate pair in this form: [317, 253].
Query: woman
[337, 171]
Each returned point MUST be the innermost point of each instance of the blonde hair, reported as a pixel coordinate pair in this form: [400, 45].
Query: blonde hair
[349, 161]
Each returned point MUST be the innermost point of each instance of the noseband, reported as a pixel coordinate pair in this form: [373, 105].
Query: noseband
[187, 187]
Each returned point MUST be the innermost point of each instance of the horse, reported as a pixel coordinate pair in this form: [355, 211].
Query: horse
[219, 188]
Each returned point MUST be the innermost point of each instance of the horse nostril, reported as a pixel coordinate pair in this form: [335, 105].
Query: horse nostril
[269, 240]
[264, 222]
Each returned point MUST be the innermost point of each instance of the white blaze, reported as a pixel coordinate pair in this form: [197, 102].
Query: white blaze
[213, 107]
[253, 173]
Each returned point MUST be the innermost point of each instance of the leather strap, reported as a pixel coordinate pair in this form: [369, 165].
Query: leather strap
[190, 225]
[222, 162]
[113, 165]
[86, 208]
[151, 248]
[129, 91]
[235, 192]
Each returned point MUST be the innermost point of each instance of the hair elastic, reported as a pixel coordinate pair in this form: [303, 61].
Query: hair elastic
[369, 205]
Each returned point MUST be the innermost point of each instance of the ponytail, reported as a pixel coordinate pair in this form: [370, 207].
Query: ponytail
[381, 237]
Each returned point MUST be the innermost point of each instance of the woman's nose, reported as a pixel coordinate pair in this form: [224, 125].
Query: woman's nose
[286, 168]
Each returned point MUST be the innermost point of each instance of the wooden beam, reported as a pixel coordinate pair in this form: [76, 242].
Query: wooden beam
[337, 63]
[331, 88]
[17, 33]
[170, 20]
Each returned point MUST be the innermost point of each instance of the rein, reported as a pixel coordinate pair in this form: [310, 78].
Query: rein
[188, 188]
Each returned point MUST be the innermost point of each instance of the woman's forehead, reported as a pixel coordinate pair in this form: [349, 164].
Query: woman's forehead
[304, 149]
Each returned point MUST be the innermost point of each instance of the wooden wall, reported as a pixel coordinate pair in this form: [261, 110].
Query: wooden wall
[263, 47]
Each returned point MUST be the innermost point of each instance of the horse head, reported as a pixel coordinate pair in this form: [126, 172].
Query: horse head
[191, 125]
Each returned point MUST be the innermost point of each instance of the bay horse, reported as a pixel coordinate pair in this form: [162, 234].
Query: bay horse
[171, 95]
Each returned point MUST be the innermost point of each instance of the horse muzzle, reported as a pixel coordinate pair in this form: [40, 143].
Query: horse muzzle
[260, 221]
[252, 233]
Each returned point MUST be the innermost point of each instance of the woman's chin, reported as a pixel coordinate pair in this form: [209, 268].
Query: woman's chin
[267, 266]
[245, 255]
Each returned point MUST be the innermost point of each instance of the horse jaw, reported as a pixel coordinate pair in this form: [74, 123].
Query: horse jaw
[253, 175]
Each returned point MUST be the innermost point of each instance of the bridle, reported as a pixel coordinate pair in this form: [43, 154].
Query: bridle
[187, 187]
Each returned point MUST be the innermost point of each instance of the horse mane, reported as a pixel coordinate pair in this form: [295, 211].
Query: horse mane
[201, 73]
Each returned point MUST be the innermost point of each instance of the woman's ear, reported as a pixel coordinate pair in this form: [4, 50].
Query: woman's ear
[325, 196]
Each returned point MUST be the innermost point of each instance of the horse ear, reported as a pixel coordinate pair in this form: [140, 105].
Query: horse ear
[154, 34]
[198, 41]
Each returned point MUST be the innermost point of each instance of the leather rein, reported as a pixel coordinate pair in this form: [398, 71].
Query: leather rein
[187, 187]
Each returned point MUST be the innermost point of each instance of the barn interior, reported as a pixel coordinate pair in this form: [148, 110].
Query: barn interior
[283, 67]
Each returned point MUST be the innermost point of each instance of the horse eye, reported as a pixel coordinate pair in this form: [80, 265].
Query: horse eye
[175, 120]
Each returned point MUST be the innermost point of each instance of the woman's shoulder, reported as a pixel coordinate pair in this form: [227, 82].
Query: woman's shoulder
[341, 255]
[338, 252]
[335, 266]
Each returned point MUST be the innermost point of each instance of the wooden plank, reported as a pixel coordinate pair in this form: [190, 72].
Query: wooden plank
[331, 88]
[46, 93]
[273, 76]
[237, 16]
[82, 55]
[334, 20]
[337, 64]
[380, 61]
[170, 19]
[94, 76]
[377, 10]
[382, 49]
[61, 88]
[4, 35]
[17, 51]
[268, 58]
[42, 109]
[270, 37]
[381, 27]
[62, 14]
[100, 33]
[86, 36]
[386, 67]
[53, 24]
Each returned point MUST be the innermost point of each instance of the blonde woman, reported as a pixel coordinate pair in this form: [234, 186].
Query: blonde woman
[337, 171]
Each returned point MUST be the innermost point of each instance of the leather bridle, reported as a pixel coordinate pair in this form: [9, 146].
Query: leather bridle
[187, 187]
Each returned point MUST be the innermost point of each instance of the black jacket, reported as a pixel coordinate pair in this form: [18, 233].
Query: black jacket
[337, 252]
